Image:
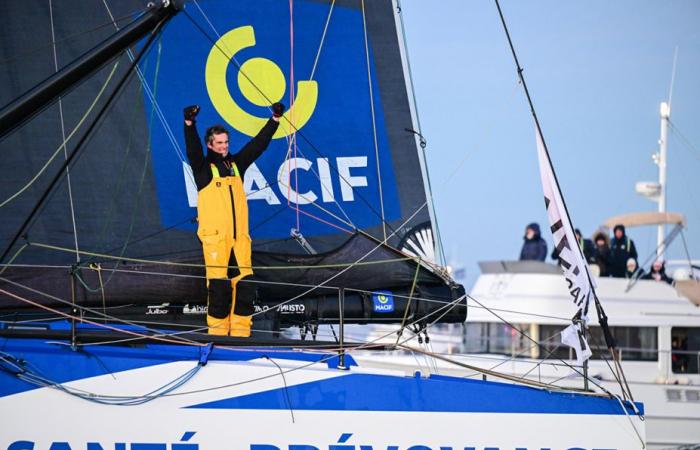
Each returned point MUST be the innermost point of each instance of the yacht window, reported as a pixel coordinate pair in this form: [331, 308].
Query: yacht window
[685, 349]
[483, 337]
[635, 343]
[551, 346]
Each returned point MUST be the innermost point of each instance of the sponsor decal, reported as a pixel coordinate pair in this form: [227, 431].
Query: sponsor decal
[383, 301]
[157, 309]
[194, 309]
[291, 308]
[341, 444]
[337, 170]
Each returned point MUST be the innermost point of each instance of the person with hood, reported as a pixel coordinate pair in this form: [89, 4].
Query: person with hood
[601, 253]
[222, 213]
[534, 247]
[586, 246]
[658, 272]
[632, 271]
[621, 249]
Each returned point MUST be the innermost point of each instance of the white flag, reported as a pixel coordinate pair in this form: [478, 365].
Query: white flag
[571, 261]
[572, 337]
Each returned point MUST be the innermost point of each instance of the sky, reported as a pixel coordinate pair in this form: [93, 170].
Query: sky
[597, 72]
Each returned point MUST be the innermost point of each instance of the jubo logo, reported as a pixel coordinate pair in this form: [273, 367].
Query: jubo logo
[383, 301]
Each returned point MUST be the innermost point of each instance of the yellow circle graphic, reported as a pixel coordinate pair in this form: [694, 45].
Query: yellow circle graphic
[266, 75]
[260, 74]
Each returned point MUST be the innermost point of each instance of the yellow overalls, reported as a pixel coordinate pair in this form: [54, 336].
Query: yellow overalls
[222, 211]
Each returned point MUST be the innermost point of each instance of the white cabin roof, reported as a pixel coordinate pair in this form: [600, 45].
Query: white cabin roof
[540, 289]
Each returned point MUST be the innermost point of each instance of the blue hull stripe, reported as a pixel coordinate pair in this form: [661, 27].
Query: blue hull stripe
[364, 392]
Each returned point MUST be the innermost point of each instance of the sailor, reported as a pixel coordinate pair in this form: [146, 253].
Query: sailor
[222, 212]
[534, 247]
[621, 249]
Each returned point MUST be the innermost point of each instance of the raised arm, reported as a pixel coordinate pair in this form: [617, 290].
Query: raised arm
[195, 152]
[256, 146]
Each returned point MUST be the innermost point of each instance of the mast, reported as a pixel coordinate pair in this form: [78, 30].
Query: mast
[665, 114]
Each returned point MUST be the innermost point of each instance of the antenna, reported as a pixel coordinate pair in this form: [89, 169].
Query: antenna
[665, 114]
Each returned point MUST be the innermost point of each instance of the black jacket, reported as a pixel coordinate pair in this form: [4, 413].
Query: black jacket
[244, 158]
[620, 251]
[534, 249]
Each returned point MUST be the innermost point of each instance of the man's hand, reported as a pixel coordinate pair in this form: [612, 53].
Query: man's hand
[190, 114]
[277, 111]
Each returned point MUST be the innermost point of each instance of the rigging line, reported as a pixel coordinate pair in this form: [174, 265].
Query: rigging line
[347, 220]
[121, 181]
[493, 374]
[102, 325]
[17, 253]
[685, 141]
[485, 135]
[323, 39]
[374, 123]
[598, 306]
[81, 309]
[63, 136]
[513, 327]
[362, 346]
[286, 389]
[148, 236]
[88, 133]
[297, 131]
[408, 304]
[291, 142]
[292, 95]
[154, 103]
[525, 350]
[144, 171]
[65, 141]
[38, 49]
[414, 101]
[336, 275]
[687, 254]
[172, 263]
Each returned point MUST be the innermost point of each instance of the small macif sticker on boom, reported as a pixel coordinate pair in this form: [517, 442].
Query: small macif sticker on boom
[383, 301]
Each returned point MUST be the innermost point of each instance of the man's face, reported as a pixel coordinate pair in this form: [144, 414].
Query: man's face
[219, 144]
[529, 233]
[618, 233]
[600, 242]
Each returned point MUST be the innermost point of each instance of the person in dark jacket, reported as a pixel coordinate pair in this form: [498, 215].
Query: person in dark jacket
[601, 253]
[621, 249]
[658, 272]
[586, 245]
[534, 247]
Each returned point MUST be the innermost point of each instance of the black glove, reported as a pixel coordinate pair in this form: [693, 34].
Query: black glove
[191, 112]
[277, 109]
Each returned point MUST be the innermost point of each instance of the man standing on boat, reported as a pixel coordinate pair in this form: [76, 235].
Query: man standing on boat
[222, 212]
[621, 249]
[534, 247]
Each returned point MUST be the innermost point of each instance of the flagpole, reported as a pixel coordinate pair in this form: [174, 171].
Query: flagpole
[556, 180]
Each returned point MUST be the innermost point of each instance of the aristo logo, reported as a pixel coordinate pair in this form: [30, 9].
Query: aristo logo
[261, 82]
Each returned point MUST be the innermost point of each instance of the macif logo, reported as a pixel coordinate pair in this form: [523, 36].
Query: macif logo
[261, 82]
[383, 301]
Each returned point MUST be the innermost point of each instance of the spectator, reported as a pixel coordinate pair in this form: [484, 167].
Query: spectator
[534, 247]
[586, 245]
[621, 249]
[601, 253]
[658, 272]
[633, 271]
